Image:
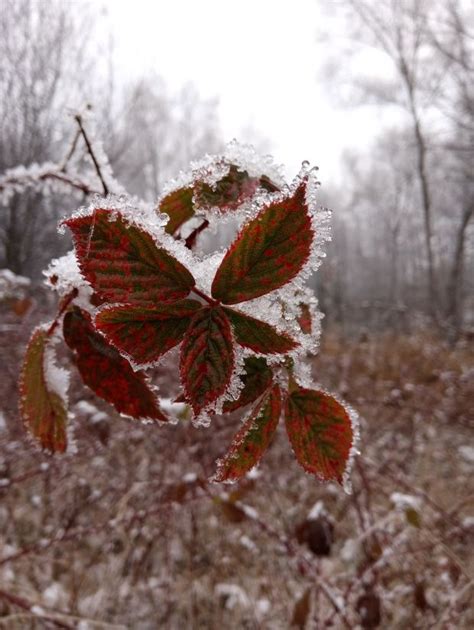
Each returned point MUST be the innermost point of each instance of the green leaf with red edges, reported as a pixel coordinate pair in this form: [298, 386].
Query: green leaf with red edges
[259, 336]
[145, 333]
[178, 205]
[42, 410]
[106, 372]
[320, 432]
[256, 379]
[269, 251]
[230, 191]
[253, 438]
[207, 357]
[123, 263]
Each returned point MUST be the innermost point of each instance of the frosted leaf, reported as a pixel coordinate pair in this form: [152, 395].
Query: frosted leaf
[139, 214]
[211, 168]
[227, 184]
[57, 381]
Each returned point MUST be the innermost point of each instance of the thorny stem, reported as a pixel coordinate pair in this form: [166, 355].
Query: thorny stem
[91, 153]
[65, 303]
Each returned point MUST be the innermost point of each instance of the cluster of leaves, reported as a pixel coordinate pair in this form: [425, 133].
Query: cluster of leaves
[144, 302]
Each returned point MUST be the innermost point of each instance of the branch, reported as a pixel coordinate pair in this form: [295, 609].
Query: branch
[21, 177]
[33, 610]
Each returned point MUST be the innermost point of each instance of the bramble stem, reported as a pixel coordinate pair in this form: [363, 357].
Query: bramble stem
[191, 239]
[65, 303]
[208, 299]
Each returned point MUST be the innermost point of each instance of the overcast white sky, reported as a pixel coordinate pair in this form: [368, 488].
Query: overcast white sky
[260, 59]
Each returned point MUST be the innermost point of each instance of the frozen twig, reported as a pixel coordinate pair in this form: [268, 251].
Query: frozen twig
[90, 150]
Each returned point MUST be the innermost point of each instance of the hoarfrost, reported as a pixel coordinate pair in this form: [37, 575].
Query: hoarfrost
[211, 168]
[63, 275]
[57, 381]
[11, 284]
[403, 501]
[233, 595]
[467, 453]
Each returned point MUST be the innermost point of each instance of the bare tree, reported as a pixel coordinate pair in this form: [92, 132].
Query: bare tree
[417, 59]
[44, 68]
[50, 64]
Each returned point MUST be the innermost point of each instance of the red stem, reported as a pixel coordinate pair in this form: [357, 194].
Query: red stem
[191, 240]
[66, 301]
[208, 299]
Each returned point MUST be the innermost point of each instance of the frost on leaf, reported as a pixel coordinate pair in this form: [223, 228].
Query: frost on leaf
[108, 374]
[144, 333]
[320, 432]
[253, 438]
[232, 190]
[207, 358]
[257, 335]
[123, 263]
[269, 251]
[42, 397]
[256, 379]
[226, 194]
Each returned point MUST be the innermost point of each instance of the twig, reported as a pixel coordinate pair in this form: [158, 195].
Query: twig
[190, 241]
[60, 176]
[22, 603]
[90, 150]
[71, 151]
[65, 303]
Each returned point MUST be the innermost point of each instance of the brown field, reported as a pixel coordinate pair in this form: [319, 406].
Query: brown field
[127, 533]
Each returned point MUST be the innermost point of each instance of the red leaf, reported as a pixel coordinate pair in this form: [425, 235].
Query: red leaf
[107, 373]
[207, 357]
[123, 263]
[232, 190]
[257, 379]
[42, 410]
[320, 432]
[259, 336]
[178, 205]
[269, 251]
[145, 333]
[304, 319]
[252, 440]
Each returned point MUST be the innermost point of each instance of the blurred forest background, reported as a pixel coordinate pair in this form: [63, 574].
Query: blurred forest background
[122, 537]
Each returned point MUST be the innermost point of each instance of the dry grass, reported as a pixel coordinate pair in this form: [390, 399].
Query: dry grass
[128, 534]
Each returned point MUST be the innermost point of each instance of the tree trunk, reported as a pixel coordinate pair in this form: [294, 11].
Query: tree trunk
[454, 313]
